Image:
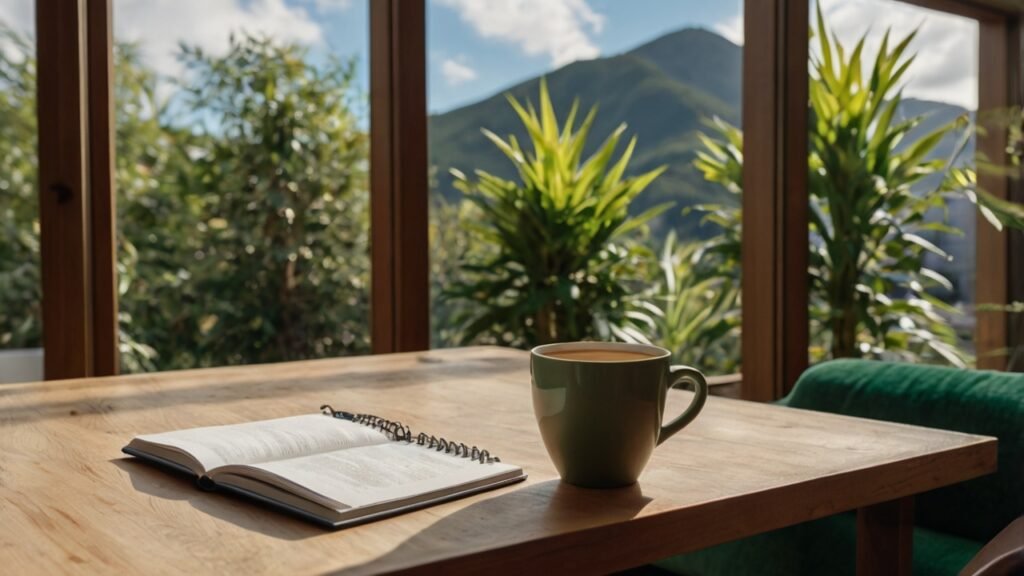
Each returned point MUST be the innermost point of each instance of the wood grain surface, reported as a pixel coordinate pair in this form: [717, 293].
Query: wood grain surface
[71, 502]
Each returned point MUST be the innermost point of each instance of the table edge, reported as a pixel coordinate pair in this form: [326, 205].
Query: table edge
[584, 551]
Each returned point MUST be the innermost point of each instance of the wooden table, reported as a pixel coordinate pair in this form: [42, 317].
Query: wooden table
[71, 502]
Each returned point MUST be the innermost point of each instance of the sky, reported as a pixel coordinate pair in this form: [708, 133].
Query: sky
[476, 48]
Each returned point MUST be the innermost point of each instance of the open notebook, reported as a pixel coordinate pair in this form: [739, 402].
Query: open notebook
[337, 469]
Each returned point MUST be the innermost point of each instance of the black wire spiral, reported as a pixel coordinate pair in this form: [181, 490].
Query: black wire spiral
[392, 429]
[397, 431]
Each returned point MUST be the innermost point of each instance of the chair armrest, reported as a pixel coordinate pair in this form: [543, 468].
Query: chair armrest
[971, 401]
[1003, 556]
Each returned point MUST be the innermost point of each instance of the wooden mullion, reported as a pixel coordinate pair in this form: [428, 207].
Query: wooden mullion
[64, 207]
[381, 157]
[1015, 274]
[792, 327]
[992, 246]
[759, 167]
[412, 258]
[102, 192]
[400, 302]
[1015, 253]
[775, 237]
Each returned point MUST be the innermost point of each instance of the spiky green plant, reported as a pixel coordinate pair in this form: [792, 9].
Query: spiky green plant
[1003, 215]
[562, 231]
[693, 314]
[871, 293]
[867, 263]
[721, 162]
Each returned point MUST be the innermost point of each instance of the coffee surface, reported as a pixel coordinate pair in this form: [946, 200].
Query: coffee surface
[599, 355]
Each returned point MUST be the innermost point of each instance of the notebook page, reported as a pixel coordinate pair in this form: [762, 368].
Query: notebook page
[267, 440]
[379, 473]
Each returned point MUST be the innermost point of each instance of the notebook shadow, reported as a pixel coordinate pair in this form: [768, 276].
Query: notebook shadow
[526, 512]
[168, 484]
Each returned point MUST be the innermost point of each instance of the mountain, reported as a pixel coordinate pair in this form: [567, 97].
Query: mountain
[662, 90]
[699, 57]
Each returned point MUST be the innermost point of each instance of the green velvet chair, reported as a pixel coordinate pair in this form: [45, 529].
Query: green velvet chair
[951, 524]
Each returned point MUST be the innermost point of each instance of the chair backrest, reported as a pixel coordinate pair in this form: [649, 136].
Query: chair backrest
[1003, 556]
[972, 401]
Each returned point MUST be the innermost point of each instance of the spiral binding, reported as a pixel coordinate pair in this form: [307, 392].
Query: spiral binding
[397, 431]
[392, 429]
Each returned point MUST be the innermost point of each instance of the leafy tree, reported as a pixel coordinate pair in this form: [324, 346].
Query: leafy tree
[562, 233]
[279, 170]
[871, 294]
[139, 136]
[157, 223]
[242, 238]
[20, 292]
[449, 248]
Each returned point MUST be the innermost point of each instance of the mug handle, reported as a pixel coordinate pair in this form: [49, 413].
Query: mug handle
[681, 375]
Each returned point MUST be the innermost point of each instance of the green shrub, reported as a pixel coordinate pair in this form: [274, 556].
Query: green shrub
[280, 173]
[871, 294]
[242, 238]
[20, 290]
[562, 234]
[687, 309]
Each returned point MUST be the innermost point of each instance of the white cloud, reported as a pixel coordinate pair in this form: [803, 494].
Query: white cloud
[946, 67]
[456, 72]
[559, 29]
[338, 5]
[19, 15]
[159, 25]
[731, 28]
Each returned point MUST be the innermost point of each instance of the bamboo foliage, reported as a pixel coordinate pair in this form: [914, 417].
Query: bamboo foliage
[871, 184]
[687, 310]
[562, 231]
[1003, 215]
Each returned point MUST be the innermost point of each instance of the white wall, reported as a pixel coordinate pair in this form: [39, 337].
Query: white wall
[21, 365]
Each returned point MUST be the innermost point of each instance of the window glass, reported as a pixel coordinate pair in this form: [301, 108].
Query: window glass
[539, 232]
[892, 236]
[242, 181]
[20, 289]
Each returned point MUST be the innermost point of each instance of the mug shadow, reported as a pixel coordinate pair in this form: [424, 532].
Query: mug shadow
[170, 484]
[528, 512]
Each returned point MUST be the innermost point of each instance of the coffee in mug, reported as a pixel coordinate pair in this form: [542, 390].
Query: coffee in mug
[597, 355]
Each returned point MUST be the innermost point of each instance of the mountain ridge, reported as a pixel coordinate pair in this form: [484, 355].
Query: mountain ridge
[643, 88]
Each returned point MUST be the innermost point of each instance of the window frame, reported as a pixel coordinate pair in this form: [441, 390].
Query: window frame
[775, 329]
[400, 261]
[102, 193]
[78, 200]
[775, 212]
[66, 247]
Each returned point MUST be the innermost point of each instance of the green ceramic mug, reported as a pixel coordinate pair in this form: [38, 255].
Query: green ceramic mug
[599, 406]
